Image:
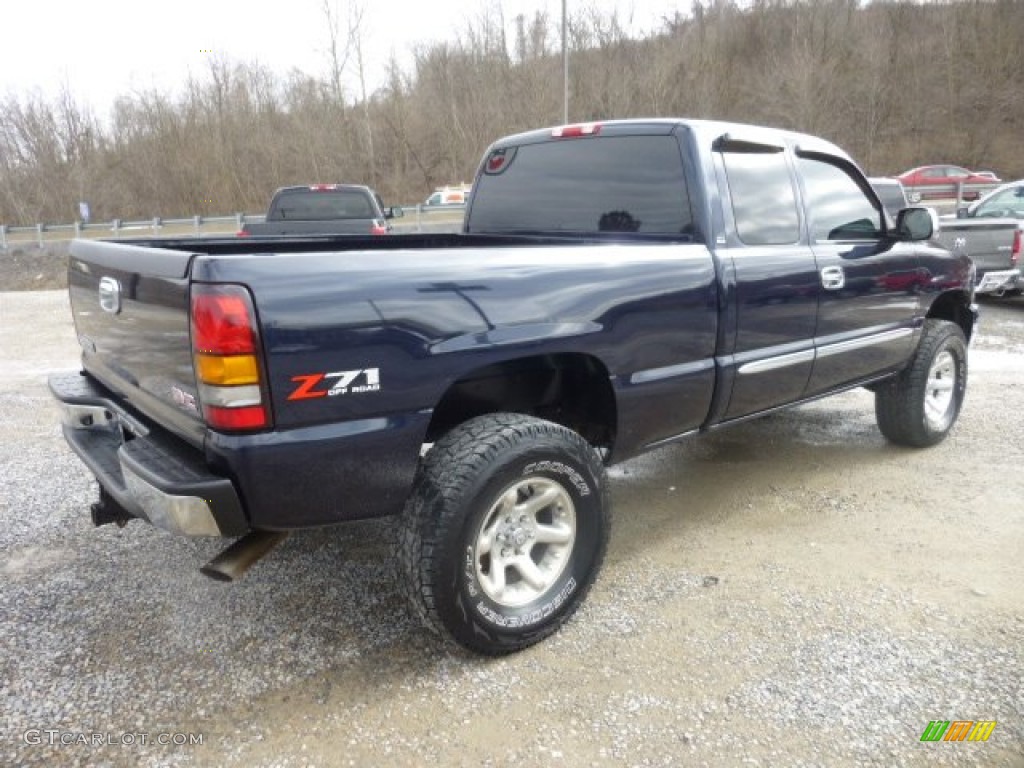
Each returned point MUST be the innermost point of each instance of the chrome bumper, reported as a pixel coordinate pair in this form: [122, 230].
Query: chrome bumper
[998, 282]
[150, 474]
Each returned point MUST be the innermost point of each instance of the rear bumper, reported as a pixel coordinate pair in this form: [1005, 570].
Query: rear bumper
[998, 282]
[150, 474]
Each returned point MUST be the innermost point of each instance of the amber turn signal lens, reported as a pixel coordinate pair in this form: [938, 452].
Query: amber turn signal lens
[227, 371]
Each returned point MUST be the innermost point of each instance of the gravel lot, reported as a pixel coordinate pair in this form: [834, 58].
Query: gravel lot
[790, 592]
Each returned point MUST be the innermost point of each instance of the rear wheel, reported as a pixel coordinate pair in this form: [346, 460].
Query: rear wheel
[919, 407]
[504, 532]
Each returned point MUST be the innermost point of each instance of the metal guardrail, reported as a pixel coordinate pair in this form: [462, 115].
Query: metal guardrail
[957, 191]
[426, 218]
[40, 234]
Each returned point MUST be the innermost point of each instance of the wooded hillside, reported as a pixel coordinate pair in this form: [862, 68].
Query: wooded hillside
[897, 84]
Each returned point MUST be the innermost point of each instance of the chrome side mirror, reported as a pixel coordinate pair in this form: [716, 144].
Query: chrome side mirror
[916, 223]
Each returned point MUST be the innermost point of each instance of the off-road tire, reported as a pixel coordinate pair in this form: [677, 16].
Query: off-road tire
[489, 481]
[919, 407]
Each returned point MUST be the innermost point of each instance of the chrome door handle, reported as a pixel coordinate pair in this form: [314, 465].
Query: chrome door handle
[833, 278]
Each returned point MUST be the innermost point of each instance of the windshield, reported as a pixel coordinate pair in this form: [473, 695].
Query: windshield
[604, 184]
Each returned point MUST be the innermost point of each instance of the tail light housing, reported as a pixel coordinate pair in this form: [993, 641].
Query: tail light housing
[225, 357]
[576, 131]
[378, 228]
[1015, 250]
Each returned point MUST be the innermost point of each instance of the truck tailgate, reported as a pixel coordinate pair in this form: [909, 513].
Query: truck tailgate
[988, 243]
[131, 312]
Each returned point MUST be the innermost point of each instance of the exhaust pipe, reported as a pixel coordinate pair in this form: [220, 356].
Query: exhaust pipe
[233, 562]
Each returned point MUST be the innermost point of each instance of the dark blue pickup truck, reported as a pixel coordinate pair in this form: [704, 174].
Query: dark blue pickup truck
[617, 286]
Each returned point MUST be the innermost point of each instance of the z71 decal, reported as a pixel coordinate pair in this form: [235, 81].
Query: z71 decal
[344, 383]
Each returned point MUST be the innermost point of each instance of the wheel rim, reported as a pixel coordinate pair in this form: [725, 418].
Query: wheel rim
[525, 541]
[941, 391]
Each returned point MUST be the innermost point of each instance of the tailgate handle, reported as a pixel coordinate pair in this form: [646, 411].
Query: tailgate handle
[833, 278]
[110, 295]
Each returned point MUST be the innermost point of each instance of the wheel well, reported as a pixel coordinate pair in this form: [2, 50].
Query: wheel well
[573, 390]
[953, 307]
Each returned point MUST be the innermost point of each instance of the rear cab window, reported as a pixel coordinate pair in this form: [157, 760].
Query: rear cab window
[595, 184]
[1009, 202]
[321, 205]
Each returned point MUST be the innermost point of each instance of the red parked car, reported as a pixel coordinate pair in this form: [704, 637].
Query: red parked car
[945, 176]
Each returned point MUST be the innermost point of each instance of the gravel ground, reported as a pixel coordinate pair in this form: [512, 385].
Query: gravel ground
[30, 268]
[790, 592]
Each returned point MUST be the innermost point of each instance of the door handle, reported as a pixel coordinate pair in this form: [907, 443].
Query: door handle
[833, 278]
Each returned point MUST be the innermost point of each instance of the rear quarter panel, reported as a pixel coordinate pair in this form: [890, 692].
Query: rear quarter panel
[413, 322]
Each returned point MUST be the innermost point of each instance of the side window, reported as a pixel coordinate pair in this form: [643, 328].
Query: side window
[838, 208]
[763, 200]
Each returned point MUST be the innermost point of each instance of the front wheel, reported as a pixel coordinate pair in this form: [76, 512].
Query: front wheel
[919, 407]
[504, 532]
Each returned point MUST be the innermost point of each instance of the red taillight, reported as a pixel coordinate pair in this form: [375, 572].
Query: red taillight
[575, 131]
[322, 187]
[250, 417]
[225, 358]
[378, 229]
[243, 233]
[1015, 250]
[222, 323]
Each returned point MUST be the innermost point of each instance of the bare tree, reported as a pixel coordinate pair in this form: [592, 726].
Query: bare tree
[897, 82]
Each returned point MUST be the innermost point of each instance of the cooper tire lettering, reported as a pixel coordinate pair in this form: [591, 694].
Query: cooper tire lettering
[558, 468]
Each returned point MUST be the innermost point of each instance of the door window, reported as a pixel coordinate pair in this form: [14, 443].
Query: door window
[838, 208]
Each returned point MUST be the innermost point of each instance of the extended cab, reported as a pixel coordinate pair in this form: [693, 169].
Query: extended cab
[324, 209]
[618, 286]
[990, 232]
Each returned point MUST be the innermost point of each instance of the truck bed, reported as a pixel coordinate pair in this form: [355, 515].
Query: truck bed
[420, 312]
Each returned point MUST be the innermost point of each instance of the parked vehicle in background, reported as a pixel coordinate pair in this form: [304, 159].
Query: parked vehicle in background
[943, 182]
[324, 209]
[617, 286]
[456, 195]
[990, 232]
[892, 194]
[1006, 201]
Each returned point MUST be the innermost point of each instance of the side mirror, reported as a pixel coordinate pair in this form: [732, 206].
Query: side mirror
[394, 212]
[916, 224]
[961, 212]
